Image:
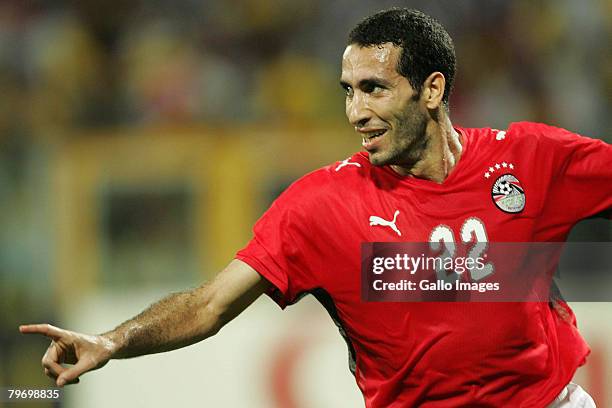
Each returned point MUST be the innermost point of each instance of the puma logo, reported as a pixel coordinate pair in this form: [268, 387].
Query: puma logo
[346, 162]
[376, 220]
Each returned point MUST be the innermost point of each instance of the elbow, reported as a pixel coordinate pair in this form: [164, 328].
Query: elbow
[213, 320]
[211, 314]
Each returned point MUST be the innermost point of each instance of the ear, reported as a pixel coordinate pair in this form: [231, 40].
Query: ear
[433, 90]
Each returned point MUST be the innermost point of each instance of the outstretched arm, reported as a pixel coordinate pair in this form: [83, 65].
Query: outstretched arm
[178, 320]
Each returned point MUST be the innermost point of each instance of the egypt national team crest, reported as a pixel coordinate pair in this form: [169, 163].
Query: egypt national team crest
[508, 194]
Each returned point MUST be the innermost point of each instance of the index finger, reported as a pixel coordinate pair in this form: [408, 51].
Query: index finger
[44, 329]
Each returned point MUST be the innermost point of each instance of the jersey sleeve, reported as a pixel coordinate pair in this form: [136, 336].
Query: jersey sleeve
[283, 249]
[581, 182]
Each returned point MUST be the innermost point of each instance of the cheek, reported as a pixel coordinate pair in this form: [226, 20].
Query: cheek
[408, 116]
[390, 109]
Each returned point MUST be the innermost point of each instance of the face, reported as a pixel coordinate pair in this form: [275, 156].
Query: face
[382, 105]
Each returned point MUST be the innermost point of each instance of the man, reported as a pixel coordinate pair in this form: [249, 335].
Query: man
[421, 180]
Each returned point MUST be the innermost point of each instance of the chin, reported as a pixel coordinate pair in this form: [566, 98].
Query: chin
[378, 159]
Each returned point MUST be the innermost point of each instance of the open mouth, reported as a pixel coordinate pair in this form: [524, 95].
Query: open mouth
[370, 137]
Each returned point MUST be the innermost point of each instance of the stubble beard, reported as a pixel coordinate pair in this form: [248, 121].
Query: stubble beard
[407, 143]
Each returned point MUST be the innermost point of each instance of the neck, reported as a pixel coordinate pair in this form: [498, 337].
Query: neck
[441, 155]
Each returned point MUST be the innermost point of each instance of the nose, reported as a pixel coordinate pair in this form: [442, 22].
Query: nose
[357, 111]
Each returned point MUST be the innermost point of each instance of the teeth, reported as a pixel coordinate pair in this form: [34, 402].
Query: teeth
[376, 134]
[370, 136]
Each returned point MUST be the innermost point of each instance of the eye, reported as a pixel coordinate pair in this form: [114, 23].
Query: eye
[348, 91]
[371, 87]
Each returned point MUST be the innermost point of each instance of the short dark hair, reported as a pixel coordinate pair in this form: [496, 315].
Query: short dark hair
[426, 46]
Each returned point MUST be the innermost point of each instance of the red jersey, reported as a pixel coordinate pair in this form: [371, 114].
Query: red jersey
[440, 354]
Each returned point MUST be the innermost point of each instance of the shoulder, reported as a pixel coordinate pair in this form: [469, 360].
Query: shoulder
[515, 132]
[552, 140]
[541, 133]
[526, 135]
[325, 182]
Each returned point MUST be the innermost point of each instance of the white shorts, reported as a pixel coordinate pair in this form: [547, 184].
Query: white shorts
[573, 396]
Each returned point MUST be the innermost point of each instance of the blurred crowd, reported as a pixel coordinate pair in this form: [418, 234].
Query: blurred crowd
[70, 66]
[66, 64]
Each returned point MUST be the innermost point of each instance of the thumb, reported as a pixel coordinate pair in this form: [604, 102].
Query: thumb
[73, 373]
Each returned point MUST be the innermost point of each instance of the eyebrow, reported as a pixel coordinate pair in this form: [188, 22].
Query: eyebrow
[372, 81]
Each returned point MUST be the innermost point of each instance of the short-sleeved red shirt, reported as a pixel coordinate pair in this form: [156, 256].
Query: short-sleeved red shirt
[440, 354]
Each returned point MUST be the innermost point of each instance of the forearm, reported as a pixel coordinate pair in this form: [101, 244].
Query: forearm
[184, 318]
[176, 321]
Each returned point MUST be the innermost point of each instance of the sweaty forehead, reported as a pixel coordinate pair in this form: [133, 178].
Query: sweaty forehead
[375, 60]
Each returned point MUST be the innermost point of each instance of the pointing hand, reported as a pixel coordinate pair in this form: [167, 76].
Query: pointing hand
[84, 352]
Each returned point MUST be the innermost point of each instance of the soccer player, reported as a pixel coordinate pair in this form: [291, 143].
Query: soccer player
[420, 179]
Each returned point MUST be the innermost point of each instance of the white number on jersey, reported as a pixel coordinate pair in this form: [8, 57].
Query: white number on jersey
[472, 231]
